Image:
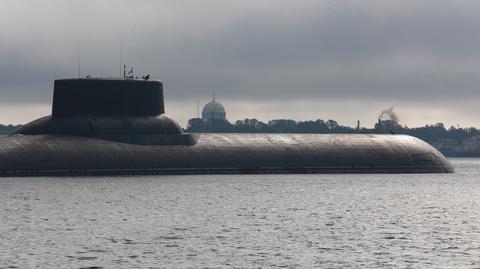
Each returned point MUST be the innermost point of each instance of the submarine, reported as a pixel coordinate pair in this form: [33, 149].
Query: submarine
[118, 126]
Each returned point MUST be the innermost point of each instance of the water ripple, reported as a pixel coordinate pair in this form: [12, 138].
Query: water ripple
[243, 221]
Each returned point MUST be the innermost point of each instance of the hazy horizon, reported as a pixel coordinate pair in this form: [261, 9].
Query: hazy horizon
[304, 60]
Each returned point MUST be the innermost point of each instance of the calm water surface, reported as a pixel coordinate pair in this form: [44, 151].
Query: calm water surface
[243, 221]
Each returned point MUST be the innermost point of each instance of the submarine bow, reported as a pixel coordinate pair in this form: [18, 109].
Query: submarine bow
[102, 126]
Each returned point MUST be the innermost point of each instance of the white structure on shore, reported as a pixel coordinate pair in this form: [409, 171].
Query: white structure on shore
[214, 110]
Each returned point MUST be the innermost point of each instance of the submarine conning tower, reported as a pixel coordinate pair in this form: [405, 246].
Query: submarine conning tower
[126, 110]
[109, 97]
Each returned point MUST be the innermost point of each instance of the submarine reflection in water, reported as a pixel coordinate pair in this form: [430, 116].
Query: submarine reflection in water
[111, 126]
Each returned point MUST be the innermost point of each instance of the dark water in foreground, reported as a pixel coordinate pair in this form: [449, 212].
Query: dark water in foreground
[252, 221]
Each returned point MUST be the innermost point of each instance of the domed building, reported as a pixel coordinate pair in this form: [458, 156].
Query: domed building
[214, 110]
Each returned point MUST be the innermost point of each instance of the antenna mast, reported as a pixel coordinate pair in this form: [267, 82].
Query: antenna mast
[120, 56]
[198, 108]
[78, 61]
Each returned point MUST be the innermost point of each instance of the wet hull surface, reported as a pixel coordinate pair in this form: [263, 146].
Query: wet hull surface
[32, 155]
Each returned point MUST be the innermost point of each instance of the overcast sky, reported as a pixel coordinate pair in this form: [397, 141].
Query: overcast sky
[340, 59]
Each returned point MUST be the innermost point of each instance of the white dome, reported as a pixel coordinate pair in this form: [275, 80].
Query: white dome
[213, 110]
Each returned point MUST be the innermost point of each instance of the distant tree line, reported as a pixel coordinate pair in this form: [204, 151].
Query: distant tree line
[429, 133]
[7, 129]
[272, 126]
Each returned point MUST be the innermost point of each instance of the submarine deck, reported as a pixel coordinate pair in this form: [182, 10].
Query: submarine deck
[50, 155]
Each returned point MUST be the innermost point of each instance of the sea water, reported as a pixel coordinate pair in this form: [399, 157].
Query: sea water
[243, 221]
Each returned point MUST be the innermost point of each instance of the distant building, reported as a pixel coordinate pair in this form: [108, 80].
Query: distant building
[214, 111]
[387, 125]
[388, 120]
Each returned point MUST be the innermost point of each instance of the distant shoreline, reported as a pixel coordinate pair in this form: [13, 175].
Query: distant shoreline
[449, 154]
[452, 142]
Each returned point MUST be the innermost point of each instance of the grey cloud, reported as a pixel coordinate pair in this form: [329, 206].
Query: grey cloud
[248, 50]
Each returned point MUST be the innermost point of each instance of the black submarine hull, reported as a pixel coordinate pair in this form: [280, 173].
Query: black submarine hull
[67, 155]
[116, 126]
